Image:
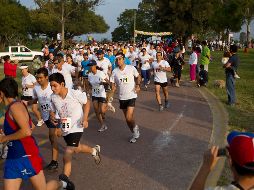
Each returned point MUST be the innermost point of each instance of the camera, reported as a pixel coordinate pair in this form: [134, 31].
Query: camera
[222, 152]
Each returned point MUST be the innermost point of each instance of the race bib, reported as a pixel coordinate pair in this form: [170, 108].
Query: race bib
[96, 89]
[66, 124]
[45, 107]
[124, 79]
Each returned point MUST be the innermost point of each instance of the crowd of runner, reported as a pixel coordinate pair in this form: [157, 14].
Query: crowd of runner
[61, 90]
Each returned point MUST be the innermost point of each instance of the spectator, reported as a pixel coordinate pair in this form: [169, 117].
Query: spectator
[230, 70]
[202, 77]
[240, 151]
[205, 56]
[10, 67]
[193, 63]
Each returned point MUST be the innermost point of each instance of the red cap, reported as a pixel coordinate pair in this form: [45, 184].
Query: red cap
[241, 148]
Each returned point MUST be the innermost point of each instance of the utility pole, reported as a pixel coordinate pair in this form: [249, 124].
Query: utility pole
[134, 39]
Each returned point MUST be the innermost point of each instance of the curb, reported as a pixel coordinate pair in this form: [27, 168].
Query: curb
[219, 131]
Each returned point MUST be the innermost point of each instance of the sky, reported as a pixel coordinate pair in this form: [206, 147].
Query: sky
[110, 10]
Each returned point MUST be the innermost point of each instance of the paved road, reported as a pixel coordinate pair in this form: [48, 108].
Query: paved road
[167, 155]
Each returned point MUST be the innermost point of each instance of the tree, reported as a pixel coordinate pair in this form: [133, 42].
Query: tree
[185, 17]
[145, 20]
[72, 12]
[247, 7]
[14, 22]
[243, 37]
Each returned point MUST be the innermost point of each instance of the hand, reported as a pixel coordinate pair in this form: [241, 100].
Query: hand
[58, 132]
[210, 158]
[85, 124]
[53, 118]
[137, 88]
[2, 136]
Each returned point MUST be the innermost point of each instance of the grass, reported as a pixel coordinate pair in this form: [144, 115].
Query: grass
[241, 116]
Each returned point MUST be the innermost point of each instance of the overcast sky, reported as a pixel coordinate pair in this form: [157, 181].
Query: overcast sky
[110, 10]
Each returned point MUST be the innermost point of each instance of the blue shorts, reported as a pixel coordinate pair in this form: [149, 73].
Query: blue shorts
[24, 168]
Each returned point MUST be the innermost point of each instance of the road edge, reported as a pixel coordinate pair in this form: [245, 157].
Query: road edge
[218, 135]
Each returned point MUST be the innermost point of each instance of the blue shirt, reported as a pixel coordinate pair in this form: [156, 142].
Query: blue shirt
[85, 67]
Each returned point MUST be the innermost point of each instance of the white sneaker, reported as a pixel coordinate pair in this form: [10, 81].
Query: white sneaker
[40, 123]
[148, 82]
[103, 128]
[135, 135]
[111, 107]
[96, 154]
[5, 152]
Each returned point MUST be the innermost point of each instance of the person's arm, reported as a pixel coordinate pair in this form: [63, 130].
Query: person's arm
[21, 117]
[209, 161]
[86, 109]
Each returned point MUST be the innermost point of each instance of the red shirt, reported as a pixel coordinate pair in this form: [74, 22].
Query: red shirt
[10, 69]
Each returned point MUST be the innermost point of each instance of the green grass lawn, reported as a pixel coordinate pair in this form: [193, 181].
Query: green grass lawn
[241, 116]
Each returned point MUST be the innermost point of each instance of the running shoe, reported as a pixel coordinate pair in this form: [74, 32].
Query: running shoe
[111, 107]
[135, 134]
[167, 104]
[67, 184]
[53, 165]
[103, 128]
[161, 108]
[145, 87]
[177, 85]
[96, 154]
[148, 82]
[40, 123]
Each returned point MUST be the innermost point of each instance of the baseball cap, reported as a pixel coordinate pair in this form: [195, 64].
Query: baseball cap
[99, 51]
[92, 63]
[23, 66]
[241, 148]
[176, 50]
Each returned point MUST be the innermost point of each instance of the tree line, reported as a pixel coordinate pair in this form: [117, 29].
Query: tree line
[186, 17]
[48, 18]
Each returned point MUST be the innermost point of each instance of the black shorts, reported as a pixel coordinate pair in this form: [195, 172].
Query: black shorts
[26, 98]
[124, 104]
[99, 99]
[50, 125]
[73, 139]
[161, 84]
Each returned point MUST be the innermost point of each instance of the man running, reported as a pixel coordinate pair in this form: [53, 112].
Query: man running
[127, 78]
[160, 69]
[73, 108]
[42, 94]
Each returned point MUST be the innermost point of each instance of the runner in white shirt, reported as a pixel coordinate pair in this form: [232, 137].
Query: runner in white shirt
[105, 65]
[28, 82]
[42, 94]
[132, 56]
[127, 78]
[73, 108]
[96, 79]
[160, 67]
[67, 71]
[145, 60]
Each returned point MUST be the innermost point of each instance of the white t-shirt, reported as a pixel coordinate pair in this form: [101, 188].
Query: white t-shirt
[159, 75]
[132, 57]
[229, 187]
[98, 90]
[67, 71]
[28, 80]
[144, 61]
[44, 99]
[104, 64]
[70, 110]
[193, 59]
[125, 80]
